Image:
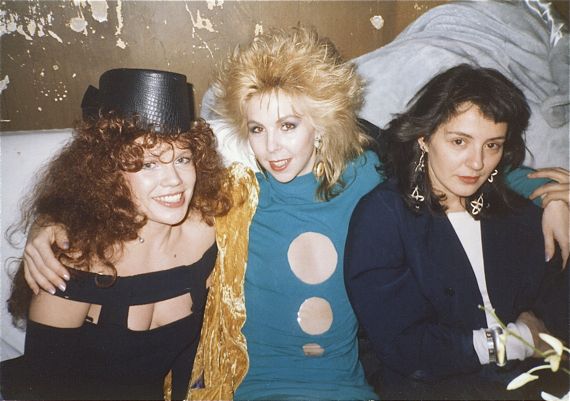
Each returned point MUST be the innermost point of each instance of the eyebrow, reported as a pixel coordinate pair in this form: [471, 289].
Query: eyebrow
[504, 137]
[279, 120]
[289, 116]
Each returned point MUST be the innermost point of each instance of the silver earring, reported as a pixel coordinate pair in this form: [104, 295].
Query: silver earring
[416, 195]
[476, 205]
[420, 165]
[493, 174]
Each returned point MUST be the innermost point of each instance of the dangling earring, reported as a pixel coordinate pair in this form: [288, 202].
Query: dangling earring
[493, 174]
[420, 165]
[319, 168]
[416, 195]
[318, 142]
[477, 205]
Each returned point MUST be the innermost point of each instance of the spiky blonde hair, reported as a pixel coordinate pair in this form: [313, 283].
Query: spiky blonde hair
[302, 65]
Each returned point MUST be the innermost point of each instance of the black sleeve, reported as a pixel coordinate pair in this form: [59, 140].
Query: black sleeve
[553, 302]
[48, 369]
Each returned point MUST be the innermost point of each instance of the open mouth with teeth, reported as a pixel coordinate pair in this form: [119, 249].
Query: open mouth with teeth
[173, 200]
[279, 165]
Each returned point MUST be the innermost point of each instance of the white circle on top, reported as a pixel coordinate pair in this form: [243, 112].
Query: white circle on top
[315, 316]
[313, 349]
[312, 257]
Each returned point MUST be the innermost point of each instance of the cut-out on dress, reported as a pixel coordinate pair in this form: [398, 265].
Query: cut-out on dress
[108, 360]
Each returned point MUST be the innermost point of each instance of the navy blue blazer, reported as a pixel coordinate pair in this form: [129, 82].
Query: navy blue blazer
[415, 294]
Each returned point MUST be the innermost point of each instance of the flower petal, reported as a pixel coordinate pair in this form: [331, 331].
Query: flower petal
[554, 361]
[549, 397]
[555, 343]
[521, 380]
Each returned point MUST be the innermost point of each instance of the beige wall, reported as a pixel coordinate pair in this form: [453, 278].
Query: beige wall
[49, 59]
[49, 63]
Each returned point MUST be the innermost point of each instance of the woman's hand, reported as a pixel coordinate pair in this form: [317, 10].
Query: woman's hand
[41, 268]
[557, 190]
[536, 326]
[556, 202]
[556, 227]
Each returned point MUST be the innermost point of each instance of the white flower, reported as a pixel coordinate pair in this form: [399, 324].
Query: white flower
[550, 397]
[521, 380]
[555, 343]
[554, 361]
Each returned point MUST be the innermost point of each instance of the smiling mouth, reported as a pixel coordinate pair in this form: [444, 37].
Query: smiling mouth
[279, 165]
[173, 200]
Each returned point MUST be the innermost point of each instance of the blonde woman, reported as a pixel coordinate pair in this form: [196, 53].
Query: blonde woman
[278, 321]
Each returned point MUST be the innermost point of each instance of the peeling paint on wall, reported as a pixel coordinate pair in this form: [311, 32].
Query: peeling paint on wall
[73, 34]
[98, 13]
[418, 7]
[119, 11]
[99, 10]
[377, 21]
[78, 24]
[4, 83]
[20, 30]
[32, 27]
[199, 22]
[121, 43]
[214, 3]
[11, 22]
[55, 36]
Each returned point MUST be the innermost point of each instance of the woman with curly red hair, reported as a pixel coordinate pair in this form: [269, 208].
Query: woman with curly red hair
[136, 189]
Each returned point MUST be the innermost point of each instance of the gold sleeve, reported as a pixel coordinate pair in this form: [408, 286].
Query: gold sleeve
[221, 360]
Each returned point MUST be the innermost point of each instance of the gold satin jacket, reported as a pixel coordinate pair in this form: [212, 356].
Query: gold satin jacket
[221, 360]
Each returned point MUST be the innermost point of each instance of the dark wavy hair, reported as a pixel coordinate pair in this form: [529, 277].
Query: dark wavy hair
[84, 190]
[435, 104]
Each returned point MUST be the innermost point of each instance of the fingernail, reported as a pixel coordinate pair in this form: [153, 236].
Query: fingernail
[547, 258]
[52, 291]
[66, 276]
[65, 245]
[62, 287]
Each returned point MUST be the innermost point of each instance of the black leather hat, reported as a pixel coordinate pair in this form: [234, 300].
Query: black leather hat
[161, 99]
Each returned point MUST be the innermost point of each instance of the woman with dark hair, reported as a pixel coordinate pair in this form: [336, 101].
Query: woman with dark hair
[137, 189]
[443, 235]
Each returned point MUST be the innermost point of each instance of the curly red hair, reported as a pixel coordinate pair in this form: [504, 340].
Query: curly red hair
[84, 190]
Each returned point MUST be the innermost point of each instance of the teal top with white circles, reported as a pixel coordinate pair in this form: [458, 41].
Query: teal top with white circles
[300, 327]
